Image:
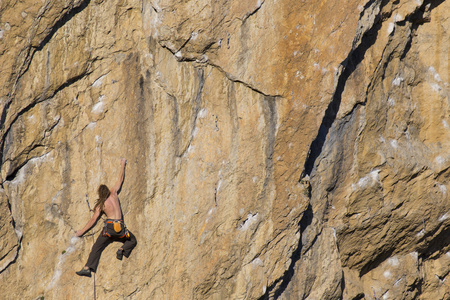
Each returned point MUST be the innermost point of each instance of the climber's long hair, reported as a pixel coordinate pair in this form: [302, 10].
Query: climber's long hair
[103, 194]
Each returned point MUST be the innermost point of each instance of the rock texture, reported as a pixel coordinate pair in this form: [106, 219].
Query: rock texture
[276, 149]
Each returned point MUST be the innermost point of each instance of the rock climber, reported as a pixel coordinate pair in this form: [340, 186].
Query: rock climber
[114, 228]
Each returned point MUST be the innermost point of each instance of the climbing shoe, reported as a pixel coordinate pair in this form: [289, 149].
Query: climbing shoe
[84, 272]
[119, 254]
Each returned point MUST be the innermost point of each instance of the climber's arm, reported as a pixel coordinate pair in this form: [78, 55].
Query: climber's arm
[90, 223]
[119, 182]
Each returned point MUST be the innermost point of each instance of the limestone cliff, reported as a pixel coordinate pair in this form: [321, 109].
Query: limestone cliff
[277, 149]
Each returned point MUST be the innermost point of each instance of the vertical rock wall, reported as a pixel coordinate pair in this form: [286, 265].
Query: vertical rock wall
[380, 200]
[276, 149]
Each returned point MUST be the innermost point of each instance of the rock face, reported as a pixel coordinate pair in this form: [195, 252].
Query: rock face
[276, 149]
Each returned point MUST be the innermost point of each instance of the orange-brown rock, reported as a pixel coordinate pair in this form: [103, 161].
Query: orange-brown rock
[276, 149]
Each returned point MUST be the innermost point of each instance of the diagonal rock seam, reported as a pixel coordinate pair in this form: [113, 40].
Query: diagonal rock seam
[220, 69]
[61, 22]
[24, 67]
[31, 106]
[16, 170]
[29, 50]
[247, 85]
[279, 285]
[19, 240]
[251, 13]
[347, 67]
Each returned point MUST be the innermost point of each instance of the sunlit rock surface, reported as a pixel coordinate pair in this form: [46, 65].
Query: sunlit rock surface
[276, 149]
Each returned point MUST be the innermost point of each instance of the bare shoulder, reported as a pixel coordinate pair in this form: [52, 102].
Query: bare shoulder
[113, 194]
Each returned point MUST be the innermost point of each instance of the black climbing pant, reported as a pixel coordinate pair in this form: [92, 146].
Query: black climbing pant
[103, 241]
